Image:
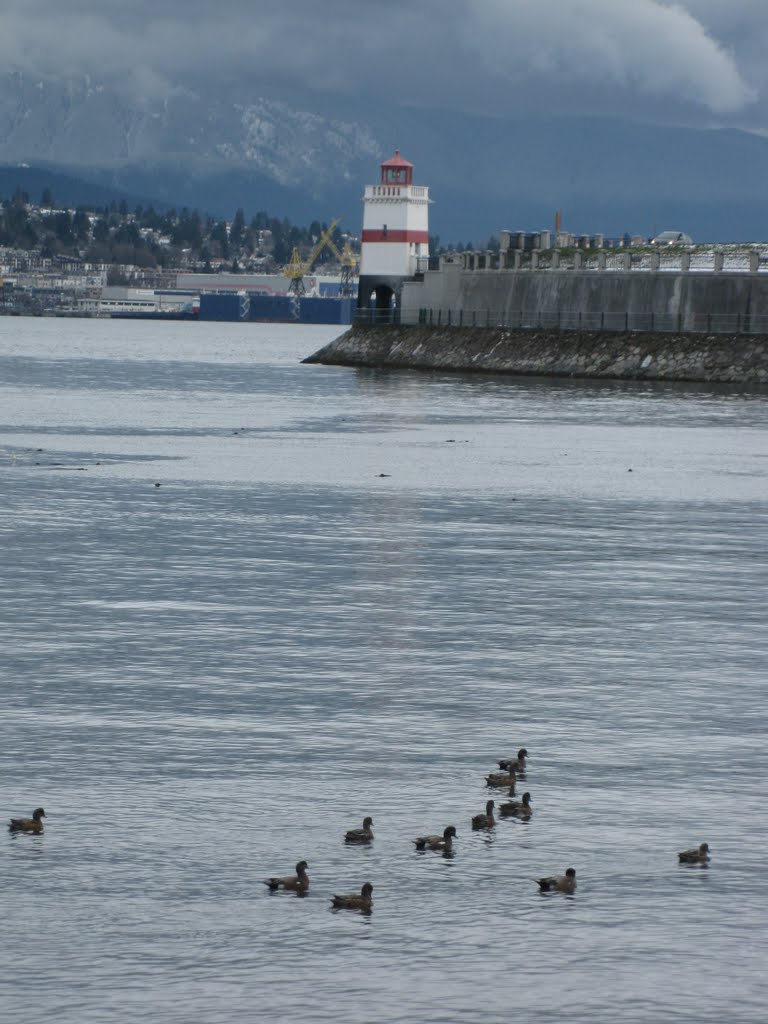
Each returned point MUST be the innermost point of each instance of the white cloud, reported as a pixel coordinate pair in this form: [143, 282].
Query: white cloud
[498, 55]
[637, 46]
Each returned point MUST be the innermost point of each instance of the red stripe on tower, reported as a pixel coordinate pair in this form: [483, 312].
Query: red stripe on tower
[393, 235]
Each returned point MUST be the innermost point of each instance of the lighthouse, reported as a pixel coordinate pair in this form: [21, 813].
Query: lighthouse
[395, 236]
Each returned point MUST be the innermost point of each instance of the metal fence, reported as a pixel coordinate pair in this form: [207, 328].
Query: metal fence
[565, 320]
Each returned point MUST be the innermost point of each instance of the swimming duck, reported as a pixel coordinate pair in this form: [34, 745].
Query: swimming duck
[486, 820]
[293, 883]
[354, 902]
[518, 763]
[360, 835]
[698, 855]
[502, 779]
[443, 842]
[33, 824]
[561, 883]
[517, 808]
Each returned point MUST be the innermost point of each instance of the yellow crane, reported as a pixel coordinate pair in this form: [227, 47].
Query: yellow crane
[348, 262]
[297, 269]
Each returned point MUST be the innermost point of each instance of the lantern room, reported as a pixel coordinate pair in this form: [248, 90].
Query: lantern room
[396, 171]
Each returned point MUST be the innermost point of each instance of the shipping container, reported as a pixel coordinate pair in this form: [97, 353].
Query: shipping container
[275, 309]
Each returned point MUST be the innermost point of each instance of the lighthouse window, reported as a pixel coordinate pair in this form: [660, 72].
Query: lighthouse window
[384, 230]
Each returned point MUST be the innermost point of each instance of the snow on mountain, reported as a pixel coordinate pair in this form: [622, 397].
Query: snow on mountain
[79, 123]
[308, 154]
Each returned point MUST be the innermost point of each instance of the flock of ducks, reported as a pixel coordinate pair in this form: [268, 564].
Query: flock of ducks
[510, 770]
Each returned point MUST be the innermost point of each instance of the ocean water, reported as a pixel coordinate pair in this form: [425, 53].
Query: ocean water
[245, 602]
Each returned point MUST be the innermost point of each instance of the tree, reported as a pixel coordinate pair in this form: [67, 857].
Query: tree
[127, 234]
[151, 219]
[61, 225]
[81, 227]
[219, 240]
[187, 233]
[205, 256]
[237, 229]
[281, 250]
[46, 199]
[101, 231]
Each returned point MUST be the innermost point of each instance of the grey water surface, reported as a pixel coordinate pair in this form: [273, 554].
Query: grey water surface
[351, 592]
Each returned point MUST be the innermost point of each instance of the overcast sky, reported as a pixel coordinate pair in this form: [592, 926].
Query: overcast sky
[697, 61]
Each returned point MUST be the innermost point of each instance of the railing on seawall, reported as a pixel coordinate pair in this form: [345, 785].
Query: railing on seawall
[381, 316]
[568, 320]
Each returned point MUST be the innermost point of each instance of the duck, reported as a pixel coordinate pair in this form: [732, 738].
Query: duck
[360, 835]
[560, 883]
[486, 820]
[443, 842]
[293, 883]
[517, 808]
[698, 855]
[502, 779]
[518, 763]
[354, 902]
[33, 824]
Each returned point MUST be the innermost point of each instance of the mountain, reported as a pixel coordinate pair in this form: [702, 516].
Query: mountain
[67, 189]
[311, 157]
[187, 149]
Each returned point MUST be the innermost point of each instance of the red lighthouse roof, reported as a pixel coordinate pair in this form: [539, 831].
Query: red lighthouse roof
[396, 171]
[396, 161]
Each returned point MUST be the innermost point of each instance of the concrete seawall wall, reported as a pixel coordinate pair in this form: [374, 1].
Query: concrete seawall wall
[675, 357]
[661, 292]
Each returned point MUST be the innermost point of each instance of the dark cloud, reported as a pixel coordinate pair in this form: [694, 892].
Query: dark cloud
[695, 58]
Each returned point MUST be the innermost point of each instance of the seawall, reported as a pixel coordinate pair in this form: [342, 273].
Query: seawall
[691, 296]
[726, 358]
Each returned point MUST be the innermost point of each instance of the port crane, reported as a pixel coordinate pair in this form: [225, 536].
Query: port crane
[297, 269]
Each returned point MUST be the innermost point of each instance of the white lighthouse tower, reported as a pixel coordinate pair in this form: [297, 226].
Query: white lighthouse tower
[395, 236]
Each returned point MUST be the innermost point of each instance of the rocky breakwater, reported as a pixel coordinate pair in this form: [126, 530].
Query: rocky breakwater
[727, 358]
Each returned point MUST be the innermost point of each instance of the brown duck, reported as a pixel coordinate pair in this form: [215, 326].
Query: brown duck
[443, 842]
[355, 902]
[560, 883]
[518, 763]
[33, 824]
[500, 780]
[517, 808]
[360, 835]
[698, 855]
[486, 820]
[293, 883]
